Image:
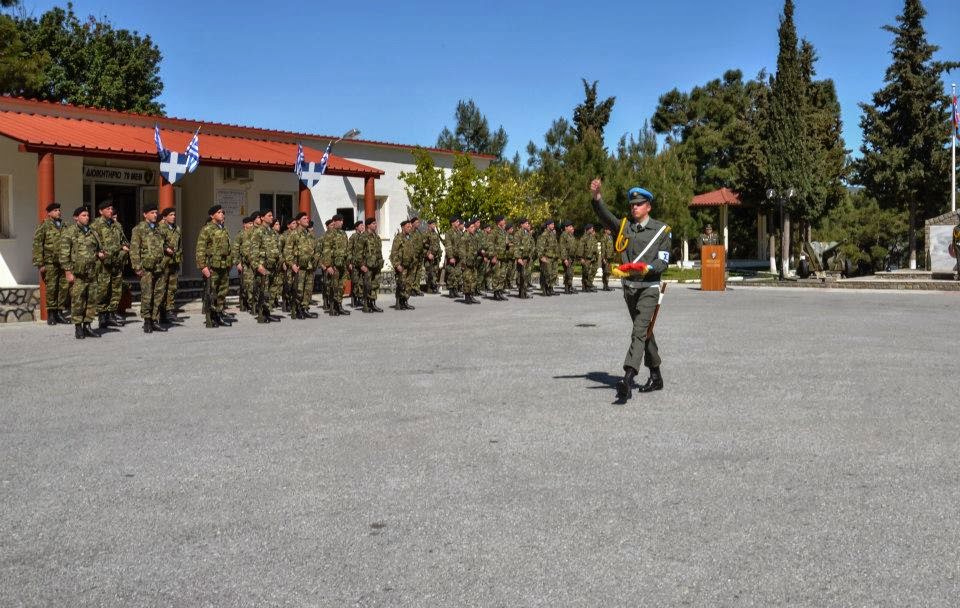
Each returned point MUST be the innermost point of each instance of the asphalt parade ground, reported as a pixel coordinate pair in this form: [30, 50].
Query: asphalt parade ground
[805, 452]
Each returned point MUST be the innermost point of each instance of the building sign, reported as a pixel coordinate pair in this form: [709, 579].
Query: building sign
[232, 201]
[119, 175]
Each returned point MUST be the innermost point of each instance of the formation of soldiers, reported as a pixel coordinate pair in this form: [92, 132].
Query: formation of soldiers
[281, 266]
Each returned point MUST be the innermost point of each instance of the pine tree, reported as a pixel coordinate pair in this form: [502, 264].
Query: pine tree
[472, 134]
[590, 115]
[904, 160]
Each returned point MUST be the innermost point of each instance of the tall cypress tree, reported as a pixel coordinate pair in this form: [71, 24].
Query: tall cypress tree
[905, 162]
[786, 145]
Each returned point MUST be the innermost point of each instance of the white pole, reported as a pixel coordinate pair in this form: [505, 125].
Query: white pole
[953, 155]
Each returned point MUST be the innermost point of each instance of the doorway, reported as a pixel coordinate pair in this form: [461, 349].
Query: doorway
[125, 205]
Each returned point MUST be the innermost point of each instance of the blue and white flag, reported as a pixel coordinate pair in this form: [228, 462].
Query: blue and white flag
[310, 173]
[174, 165]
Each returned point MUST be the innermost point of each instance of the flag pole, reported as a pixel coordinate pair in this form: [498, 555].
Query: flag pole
[953, 154]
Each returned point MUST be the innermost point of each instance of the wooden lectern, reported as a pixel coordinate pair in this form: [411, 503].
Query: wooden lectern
[713, 268]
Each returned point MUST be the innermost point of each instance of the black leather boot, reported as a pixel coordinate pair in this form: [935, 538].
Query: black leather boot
[147, 326]
[78, 332]
[625, 385]
[63, 317]
[117, 320]
[157, 327]
[374, 307]
[103, 321]
[221, 319]
[52, 316]
[654, 382]
[366, 305]
[88, 331]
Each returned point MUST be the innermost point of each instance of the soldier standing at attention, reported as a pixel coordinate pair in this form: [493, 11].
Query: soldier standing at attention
[286, 280]
[648, 241]
[308, 251]
[237, 255]
[214, 258]
[707, 237]
[171, 265]
[79, 253]
[403, 256]
[524, 249]
[416, 269]
[453, 270]
[608, 254]
[431, 256]
[146, 255]
[496, 251]
[334, 259]
[588, 258]
[510, 259]
[568, 253]
[470, 255]
[370, 258]
[356, 285]
[46, 257]
[548, 252]
[110, 268]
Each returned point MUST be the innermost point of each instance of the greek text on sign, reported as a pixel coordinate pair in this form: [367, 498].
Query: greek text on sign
[119, 175]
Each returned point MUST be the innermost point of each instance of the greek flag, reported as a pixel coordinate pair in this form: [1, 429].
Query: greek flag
[310, 173]
[193, 152]
[173, 165]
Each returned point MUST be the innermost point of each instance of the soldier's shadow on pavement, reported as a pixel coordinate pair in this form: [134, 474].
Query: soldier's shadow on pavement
[603, 380]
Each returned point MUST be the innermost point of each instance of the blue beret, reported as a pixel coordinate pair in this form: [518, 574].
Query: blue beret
[638, 196]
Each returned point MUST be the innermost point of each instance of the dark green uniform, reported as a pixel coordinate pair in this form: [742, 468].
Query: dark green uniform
[524, 250]
[334, 255]
[569, 251]
[510, 259]
[110, 268]
[78, 254]
[431, 248]
[453, 270]
[404, 253]
[214, 252]
[548, 252]
[146, 256]
[469, 254]
[496, 252]
[641, 293]
[608, 255]
[46, 255]
[588, 259]
[370, 254]
[246, 274]
[171, 266]
[419, 244]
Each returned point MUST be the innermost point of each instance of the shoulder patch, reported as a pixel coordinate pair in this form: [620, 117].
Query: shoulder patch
[665, 256]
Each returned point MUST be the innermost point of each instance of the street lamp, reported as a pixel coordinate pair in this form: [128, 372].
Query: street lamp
[348, 135]
[780, 198]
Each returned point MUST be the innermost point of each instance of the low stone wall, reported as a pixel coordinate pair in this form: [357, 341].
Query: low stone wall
[19, 303]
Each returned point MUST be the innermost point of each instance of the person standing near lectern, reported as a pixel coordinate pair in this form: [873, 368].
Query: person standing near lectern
[644, 245]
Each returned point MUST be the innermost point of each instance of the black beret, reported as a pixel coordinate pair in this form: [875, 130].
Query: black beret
[167, 211]
[588, 227]
[548, 222]
[149, 207]
[255, 215]
[370, 220]
[431, 221]
[497, 218]
[52, 206]
[104, 204]
[358, 223]
[337, 217]
[80, 210]
[414, 218]
[521, 221]
[455, 218]
[404, 223]
[328, 222]
[214, 209]
[247, 219]
[300, 215]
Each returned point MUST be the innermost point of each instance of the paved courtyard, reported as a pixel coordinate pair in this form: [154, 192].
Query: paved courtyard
[806, 452]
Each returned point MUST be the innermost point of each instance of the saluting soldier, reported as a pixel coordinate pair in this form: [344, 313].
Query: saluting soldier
[214, 258]
[353, 264]
[110, 268]
[171, 265]
[608, 255]
[370, 258]
[525, 250]
[146, 255]
[588, 257]
[548, 252]
[46, 257]
[431, 256]
[334, 259]
[568, 253]
[404, 252]
[648, 242]
[79, 253]
[453, 270]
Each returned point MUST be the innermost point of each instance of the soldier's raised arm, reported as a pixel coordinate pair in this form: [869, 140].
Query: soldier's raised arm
[608, 219]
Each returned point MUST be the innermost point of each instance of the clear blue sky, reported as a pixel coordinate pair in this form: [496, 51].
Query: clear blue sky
[395, 70]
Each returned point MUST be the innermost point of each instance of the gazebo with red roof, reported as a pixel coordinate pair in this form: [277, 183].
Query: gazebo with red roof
[724, 198]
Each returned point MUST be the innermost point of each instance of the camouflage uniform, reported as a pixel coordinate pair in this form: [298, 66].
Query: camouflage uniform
[110, 268]
[334, 255]
[956, 247]
[469, 255]
[46, 254]
[524, 248]
[496, 252]
[370, 254]
[171, 265]
[416, 269]
[78, 254]
[510, 259]
[404, 252]
[246, 275]
[588, 257]
[484, 273]
[274, 265]
[146, 256]
[431, 243]
[547, 247]
[453, 273]
[214, 252]
[569, 251]
[356, 283]
[608, 255]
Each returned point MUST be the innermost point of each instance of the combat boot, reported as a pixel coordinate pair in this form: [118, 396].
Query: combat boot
[155, 325]
[88, 331]
[469, 299]
[653, 383]
[103, 321]
[373, 306]
[78, 332]
[52, 316]
[147, 326]
[406, 304]
[63, 318]
[222, 319]
[117, 320]
[366, 305]
[307, 314]
[625, 385]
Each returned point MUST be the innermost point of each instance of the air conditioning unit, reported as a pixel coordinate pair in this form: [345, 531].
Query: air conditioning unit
[236, 174]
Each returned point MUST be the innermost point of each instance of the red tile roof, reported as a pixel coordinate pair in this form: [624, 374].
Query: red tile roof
[723, 196]
[135, 142]
[33, 106]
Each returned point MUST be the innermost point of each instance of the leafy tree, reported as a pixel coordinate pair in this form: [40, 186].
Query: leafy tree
[472, 134]
[91, 63]
[866, 232]
[903, 156]
[590, 115]
[426, 186]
